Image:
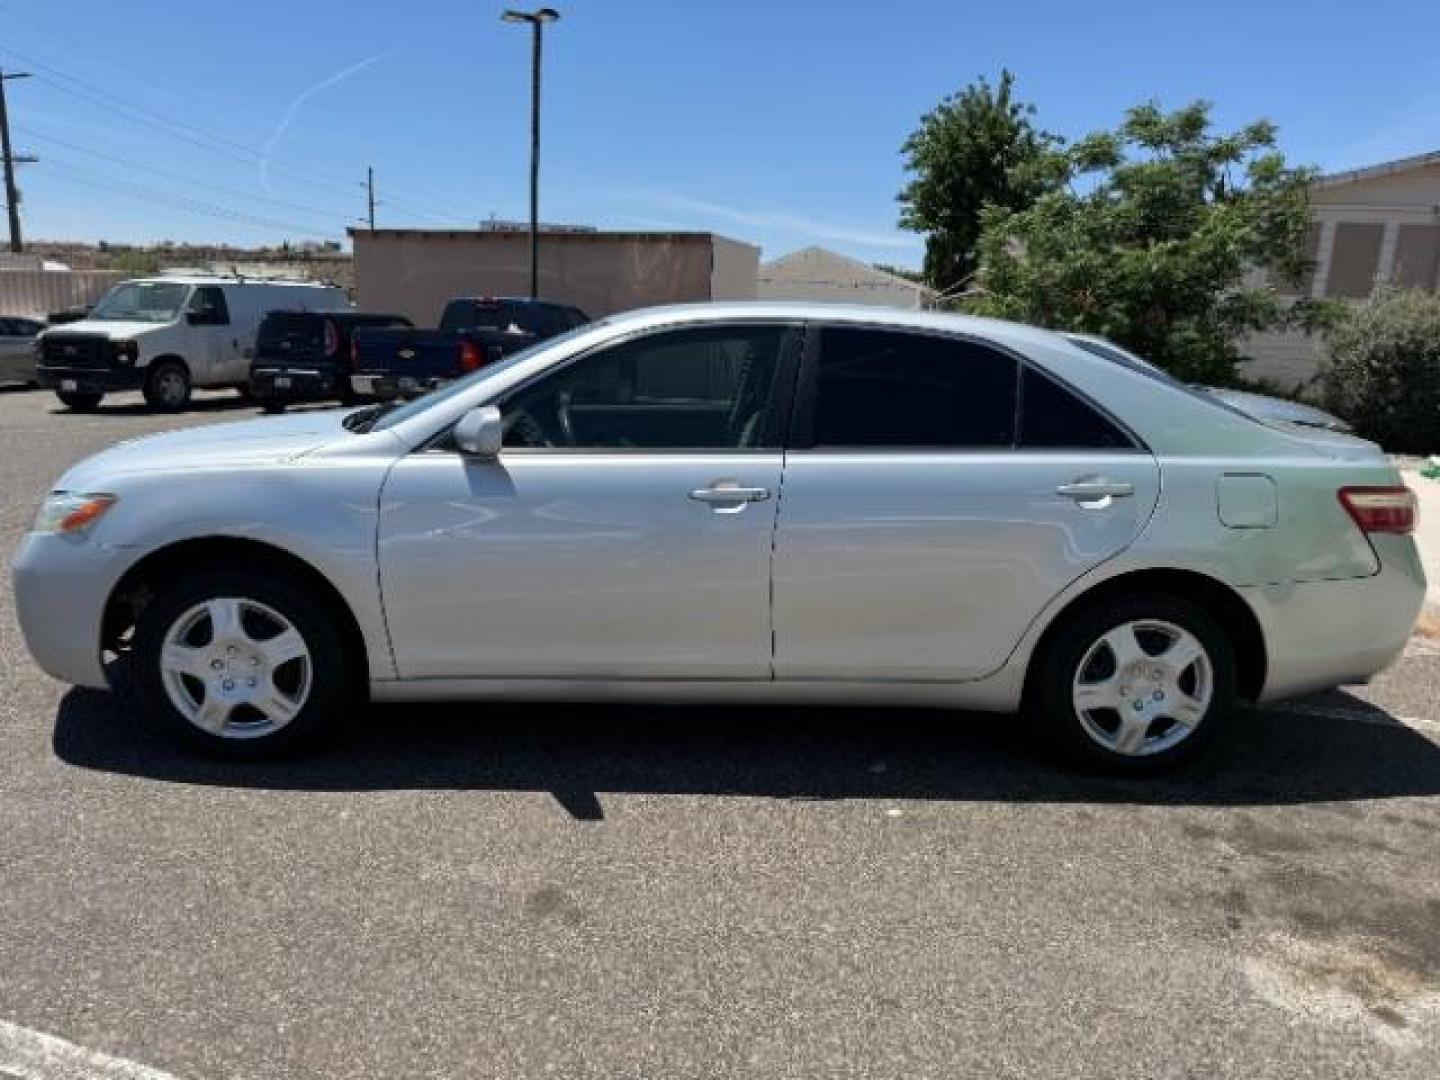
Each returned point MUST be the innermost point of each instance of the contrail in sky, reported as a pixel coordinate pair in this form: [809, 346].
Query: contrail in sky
[294, 109]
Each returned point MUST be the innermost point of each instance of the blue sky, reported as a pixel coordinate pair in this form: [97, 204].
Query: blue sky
[779, 123]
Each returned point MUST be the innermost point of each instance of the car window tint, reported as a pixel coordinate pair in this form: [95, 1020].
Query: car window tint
[1051, 417]
[707, 388]
[892, 388]
[8, 328]
[210, 300]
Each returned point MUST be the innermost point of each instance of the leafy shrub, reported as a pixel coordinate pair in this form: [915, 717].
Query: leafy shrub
[1383, 373]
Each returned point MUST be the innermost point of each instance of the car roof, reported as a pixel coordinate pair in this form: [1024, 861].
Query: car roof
[222, 279]
[1018, 335]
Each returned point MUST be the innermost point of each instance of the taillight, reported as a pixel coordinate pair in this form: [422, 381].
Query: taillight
[471, 358]
[332, 339]
[1380, 509]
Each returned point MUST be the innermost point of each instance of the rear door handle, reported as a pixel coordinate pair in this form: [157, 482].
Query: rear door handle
[730, 494]
[1093, 490]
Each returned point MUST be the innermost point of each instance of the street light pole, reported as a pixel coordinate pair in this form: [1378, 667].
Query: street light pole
[537, 20]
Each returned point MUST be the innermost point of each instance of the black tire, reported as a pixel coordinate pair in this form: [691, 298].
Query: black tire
[331, 685]
[272, 406]
[77, 401]
[167, 386]
[1049, 695]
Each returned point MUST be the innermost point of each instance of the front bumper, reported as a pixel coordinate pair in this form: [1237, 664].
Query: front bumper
[1322, 634]
[89, 380]
[61, 585]
[287, 383]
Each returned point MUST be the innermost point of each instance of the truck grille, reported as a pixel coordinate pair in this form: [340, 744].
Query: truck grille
[75, 350]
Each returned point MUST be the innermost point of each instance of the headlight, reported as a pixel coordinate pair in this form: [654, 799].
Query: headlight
[69, 512]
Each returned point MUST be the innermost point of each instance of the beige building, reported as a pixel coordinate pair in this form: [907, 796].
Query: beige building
[415, 271]
[1373, 227]
[816, 273]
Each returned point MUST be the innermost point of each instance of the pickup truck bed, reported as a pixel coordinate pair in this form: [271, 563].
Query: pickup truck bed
[474, 332]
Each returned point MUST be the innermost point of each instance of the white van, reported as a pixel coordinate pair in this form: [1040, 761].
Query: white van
[165, 335]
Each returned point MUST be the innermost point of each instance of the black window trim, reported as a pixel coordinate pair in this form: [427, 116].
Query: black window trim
[802, 423]
[782, 394]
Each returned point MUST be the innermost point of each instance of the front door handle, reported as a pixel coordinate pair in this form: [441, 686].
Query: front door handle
[729, 494]
[1094, 489]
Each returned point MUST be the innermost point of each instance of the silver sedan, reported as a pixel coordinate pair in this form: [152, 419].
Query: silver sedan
[17, 349]
[738, 503]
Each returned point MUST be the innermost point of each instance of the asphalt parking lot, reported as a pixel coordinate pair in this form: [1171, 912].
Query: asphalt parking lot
[610, 892]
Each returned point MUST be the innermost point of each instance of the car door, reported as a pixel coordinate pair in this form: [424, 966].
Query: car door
[625, 530]
[938, 493]
[212, 343]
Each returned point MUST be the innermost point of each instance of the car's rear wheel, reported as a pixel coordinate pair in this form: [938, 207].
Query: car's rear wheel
[167, 386]
[77, 401]
[272, 405]
[1135, 683]
[240, 664]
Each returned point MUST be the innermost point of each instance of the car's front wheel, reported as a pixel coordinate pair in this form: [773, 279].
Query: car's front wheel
[1135, 683]
[240, 664]
[167, 386]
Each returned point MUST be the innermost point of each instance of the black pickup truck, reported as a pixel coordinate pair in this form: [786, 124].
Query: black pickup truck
[474, 332]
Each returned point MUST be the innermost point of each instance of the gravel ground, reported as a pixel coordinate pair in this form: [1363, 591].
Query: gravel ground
[709, 892]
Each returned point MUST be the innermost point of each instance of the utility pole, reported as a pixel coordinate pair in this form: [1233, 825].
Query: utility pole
[370, 188]
[12, 193]
[537, 21]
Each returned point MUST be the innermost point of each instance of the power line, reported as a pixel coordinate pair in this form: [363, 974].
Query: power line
[199, 137]
[69, 171]
[233, 192]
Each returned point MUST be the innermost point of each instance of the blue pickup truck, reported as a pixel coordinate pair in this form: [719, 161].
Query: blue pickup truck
[474, 332]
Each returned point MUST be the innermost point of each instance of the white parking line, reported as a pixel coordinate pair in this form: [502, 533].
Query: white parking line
[33, 1055]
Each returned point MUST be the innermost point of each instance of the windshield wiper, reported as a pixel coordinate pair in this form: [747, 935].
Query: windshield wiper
[362, 420]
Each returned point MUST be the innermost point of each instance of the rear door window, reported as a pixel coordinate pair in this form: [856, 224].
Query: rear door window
[1053, 418]
[894, 388]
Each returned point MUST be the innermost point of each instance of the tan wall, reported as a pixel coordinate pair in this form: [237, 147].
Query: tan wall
[416, 273]
[1414, 188]
[36, 293]
[732, 277]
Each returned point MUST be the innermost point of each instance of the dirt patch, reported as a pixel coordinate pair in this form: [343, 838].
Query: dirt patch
[1428, 625]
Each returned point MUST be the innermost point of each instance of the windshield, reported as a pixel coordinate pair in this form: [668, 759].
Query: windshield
[391, 417]
[142, 301]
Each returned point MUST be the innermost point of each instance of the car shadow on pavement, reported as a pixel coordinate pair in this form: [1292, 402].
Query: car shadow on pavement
[1333, 747]
[219, 404]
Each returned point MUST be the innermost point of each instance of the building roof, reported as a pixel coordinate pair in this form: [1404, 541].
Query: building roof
[845, 264]
[1384, 168]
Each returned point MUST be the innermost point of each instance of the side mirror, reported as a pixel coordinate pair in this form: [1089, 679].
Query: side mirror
[480, 433]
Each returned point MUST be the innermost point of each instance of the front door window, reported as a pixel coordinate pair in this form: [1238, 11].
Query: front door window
[694, 389]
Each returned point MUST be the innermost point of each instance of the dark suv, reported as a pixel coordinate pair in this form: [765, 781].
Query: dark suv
[305, 355]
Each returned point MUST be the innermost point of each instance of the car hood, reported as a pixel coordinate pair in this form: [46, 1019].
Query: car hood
[111, 328]
[268, 441]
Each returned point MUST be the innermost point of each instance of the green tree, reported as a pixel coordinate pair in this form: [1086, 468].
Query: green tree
[1383, 371]
[1168, 239]
[976, 148]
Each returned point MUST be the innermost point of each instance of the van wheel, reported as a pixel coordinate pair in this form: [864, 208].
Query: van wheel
[167, 386]
[1135, 683]
[272, 406]
[76, 401]
[240, 664]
